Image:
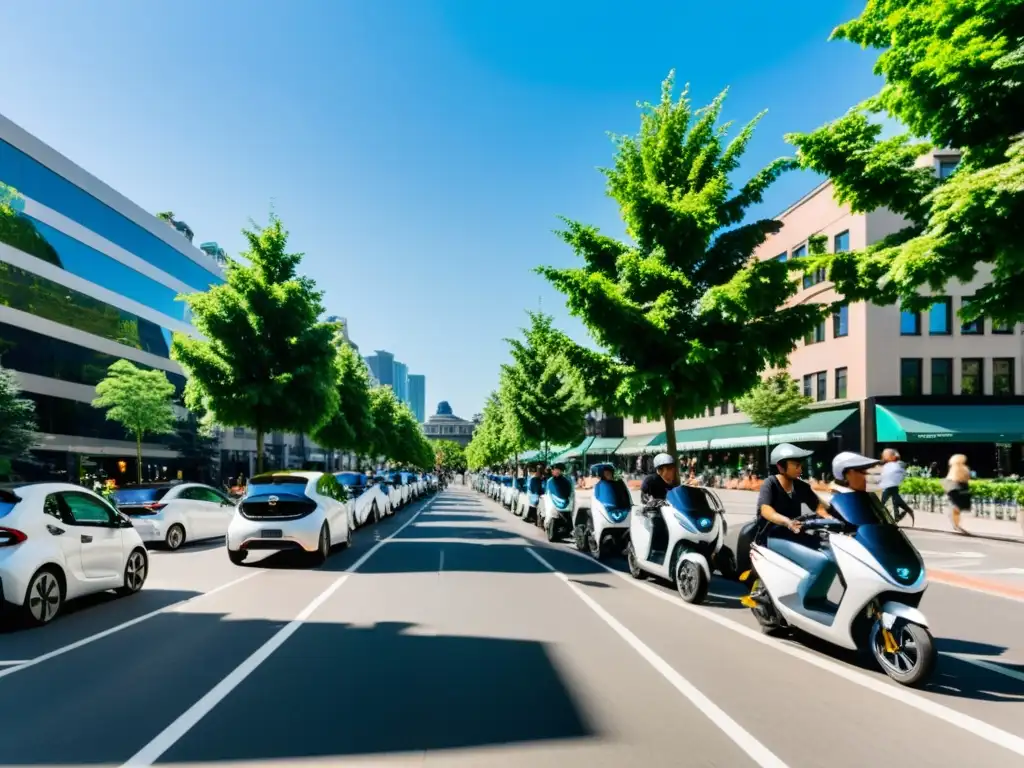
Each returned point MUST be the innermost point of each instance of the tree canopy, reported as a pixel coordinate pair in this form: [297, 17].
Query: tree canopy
[351, 426]
[954, 77]
[489, 446]
[449, 455]
[140, 400]
[396, 435]
[265, 362]
[774, 402]
[685, 315]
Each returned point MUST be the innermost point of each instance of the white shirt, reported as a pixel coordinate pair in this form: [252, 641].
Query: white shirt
[892, 474]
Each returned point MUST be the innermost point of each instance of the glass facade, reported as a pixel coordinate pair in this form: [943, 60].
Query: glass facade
[36, 181]
[57, 416]
[30, 352]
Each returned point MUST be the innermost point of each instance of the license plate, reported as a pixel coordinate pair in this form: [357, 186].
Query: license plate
[271, 533]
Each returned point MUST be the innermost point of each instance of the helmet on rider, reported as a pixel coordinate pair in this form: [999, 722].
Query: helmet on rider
[786, 458]
[849, 469]
[663, 460]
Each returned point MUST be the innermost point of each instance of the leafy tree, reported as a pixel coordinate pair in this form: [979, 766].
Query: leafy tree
[540, 393]
[450, 455]
[197, 445]
[351, 427]
[410, 446]
[384, 415]
[954, 76]
[489, 446]
[685, 314]
[139, 400]
[17, 421]
[266, 362]
[167, 216]
[774, 402]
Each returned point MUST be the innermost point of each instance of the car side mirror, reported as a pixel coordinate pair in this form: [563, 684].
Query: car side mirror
[123, 521]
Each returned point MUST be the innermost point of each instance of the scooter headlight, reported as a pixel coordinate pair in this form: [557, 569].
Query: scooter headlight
[704, 523]
[616, 515]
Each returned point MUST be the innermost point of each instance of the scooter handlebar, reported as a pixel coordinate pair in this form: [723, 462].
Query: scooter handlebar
[822, 524]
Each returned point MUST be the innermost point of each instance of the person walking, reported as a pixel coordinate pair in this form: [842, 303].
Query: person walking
[893, 472]
[957, 486]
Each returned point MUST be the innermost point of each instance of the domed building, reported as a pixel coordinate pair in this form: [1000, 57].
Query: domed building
[445, 425]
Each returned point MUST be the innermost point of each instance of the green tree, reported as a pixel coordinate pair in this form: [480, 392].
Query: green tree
[450, 455]
[351, 427]
[384, 416]
[774, 402]
[167, 216]
[139, 400]
[686, 316]
[540, 394]
[954, 76]
[17, 422]
[409, 446]
[196, 444]
[266, 362]
[489, 446]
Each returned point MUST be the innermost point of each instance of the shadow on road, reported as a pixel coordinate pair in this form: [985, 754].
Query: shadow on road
[452, 517]
[418, 531]
[189, 546]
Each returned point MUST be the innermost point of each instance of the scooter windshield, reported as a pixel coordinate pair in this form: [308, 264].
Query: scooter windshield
[520, 483]
[693, 507]
[613, 494]
[861, 508]
[560, 489]
[878, 533]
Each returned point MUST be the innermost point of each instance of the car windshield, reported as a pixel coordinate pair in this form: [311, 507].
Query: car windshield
[265, 484]
[861, 508]
[126, 497]
[8, 501]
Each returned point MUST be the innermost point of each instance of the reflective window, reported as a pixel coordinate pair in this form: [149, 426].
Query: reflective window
[841, 383]
[841, 322]
[910, 323]
[816, 335]
[972, 380]
[940, 317]
[38, 182]
[31, 352]
[910, 376]
[942, 376]
[38, 296]
[1002, 376]
[86, 510]
[55, 415]
[973, 328]
[841, 242]
[946, 167]
[1002, 328]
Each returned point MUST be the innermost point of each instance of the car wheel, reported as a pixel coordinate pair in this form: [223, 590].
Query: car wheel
[175, 537]
[374, 514]
[44, 597]
[237, 557]
[348, 538]
[323, 549]
[136, 569]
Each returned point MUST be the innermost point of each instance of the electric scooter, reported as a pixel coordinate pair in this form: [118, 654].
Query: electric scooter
[519, 496]
[534, 493]
[883, 577]
[677, 540]
[603, 528]
[557, 507]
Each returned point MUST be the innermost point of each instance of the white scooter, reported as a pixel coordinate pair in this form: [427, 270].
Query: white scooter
[603, 528]
[678, 540]
[883, 578]
[557, 508]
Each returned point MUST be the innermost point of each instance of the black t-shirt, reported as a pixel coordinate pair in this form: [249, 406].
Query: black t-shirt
[653, 487]
[786, 504]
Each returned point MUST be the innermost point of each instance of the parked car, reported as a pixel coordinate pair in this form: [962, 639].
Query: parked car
[370, 503]
[305, 511]
[392, 491]
[60, 541]
[397, 479]
[173, 513]
[413, 481]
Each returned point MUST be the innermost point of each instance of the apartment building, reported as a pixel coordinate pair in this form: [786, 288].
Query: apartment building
[924, 383]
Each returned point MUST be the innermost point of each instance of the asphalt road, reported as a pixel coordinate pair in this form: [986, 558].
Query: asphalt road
[452, 635]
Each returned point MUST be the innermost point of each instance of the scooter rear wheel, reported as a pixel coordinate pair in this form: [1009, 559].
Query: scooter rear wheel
[691, 583]
[579, 535]
[631, 561]
[551, 529]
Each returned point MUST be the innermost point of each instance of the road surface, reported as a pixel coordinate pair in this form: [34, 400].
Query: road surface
[451, 635]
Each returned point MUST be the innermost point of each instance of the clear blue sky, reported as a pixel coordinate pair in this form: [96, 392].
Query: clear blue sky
[418, 150]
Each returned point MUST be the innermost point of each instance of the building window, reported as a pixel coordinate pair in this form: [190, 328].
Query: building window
[799, 253]
[782, 257]
[946, 167]
[974, 327]
[972, 380]
[841, 242]
[840, 383]
[816, 335]
[1003, 329]
[942, 376]
[814, 277]
[57, 416]
[841, 322]
[816, 385]
[1002, 376]
[910, 323]
[940, 317]
[910, 376]
[809, 385]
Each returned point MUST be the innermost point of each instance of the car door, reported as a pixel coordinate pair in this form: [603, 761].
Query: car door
[95, 524]
[59, 527]
[191, 512]
[220, 509]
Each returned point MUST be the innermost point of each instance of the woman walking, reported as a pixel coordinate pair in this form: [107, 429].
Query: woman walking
[958, 489]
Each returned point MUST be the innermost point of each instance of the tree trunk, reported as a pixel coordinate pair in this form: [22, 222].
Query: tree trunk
[259, 450]
[768, 452]
[138, 457]
[669, 417]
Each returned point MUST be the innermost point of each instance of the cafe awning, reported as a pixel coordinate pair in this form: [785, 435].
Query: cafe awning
[634, 445]
[949, 423]
[816, 427]
[604, 446]
[577, 451]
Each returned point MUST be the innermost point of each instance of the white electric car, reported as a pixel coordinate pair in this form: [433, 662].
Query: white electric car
[369, 502]
[60, 541]
[305, 511]
[173, 513]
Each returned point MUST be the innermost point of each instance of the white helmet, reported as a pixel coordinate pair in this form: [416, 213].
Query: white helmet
[786, 451]
[849, 460]
[664, 460]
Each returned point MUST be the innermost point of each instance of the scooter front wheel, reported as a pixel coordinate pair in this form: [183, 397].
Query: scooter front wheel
[631, 561]
[912, 658]
[579, 535]
[551, 529]
[691, 583]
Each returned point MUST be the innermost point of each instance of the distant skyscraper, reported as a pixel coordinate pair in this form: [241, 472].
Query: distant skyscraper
[382, 366]
[401, 382]
[418, 396]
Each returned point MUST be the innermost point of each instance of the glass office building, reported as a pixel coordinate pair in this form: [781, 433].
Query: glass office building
[418, 396]
[86, 278]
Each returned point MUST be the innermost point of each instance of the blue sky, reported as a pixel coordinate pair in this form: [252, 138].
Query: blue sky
[418, 150]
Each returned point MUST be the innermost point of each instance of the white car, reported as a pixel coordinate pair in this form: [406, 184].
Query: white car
[398, 481]
[413, 481]
[389, 489]
[173, 513]
[370, 503]
[306, 511]
[60, 541]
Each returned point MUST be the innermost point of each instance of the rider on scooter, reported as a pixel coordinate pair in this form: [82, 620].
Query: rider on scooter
[850, 472]
[655, 487]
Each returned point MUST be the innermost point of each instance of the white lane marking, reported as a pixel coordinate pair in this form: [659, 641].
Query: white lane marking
[13, 663]
[188, 719]
[988, 732]
[937, 554]
[970, 724]
[989, 665]
[125, 625]
[757, 751]
[440, 566]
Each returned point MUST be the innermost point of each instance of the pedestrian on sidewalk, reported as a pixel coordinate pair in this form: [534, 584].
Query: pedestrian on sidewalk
[893, 472]
[957, 486]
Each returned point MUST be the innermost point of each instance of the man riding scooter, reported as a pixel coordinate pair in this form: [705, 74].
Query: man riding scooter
[655, 487]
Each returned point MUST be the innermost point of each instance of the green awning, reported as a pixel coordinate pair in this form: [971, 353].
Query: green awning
[686, 439]
[634, 445]
[579, 450]
[604, 446]
[528, 456]
[949, 423]
[814, 428]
